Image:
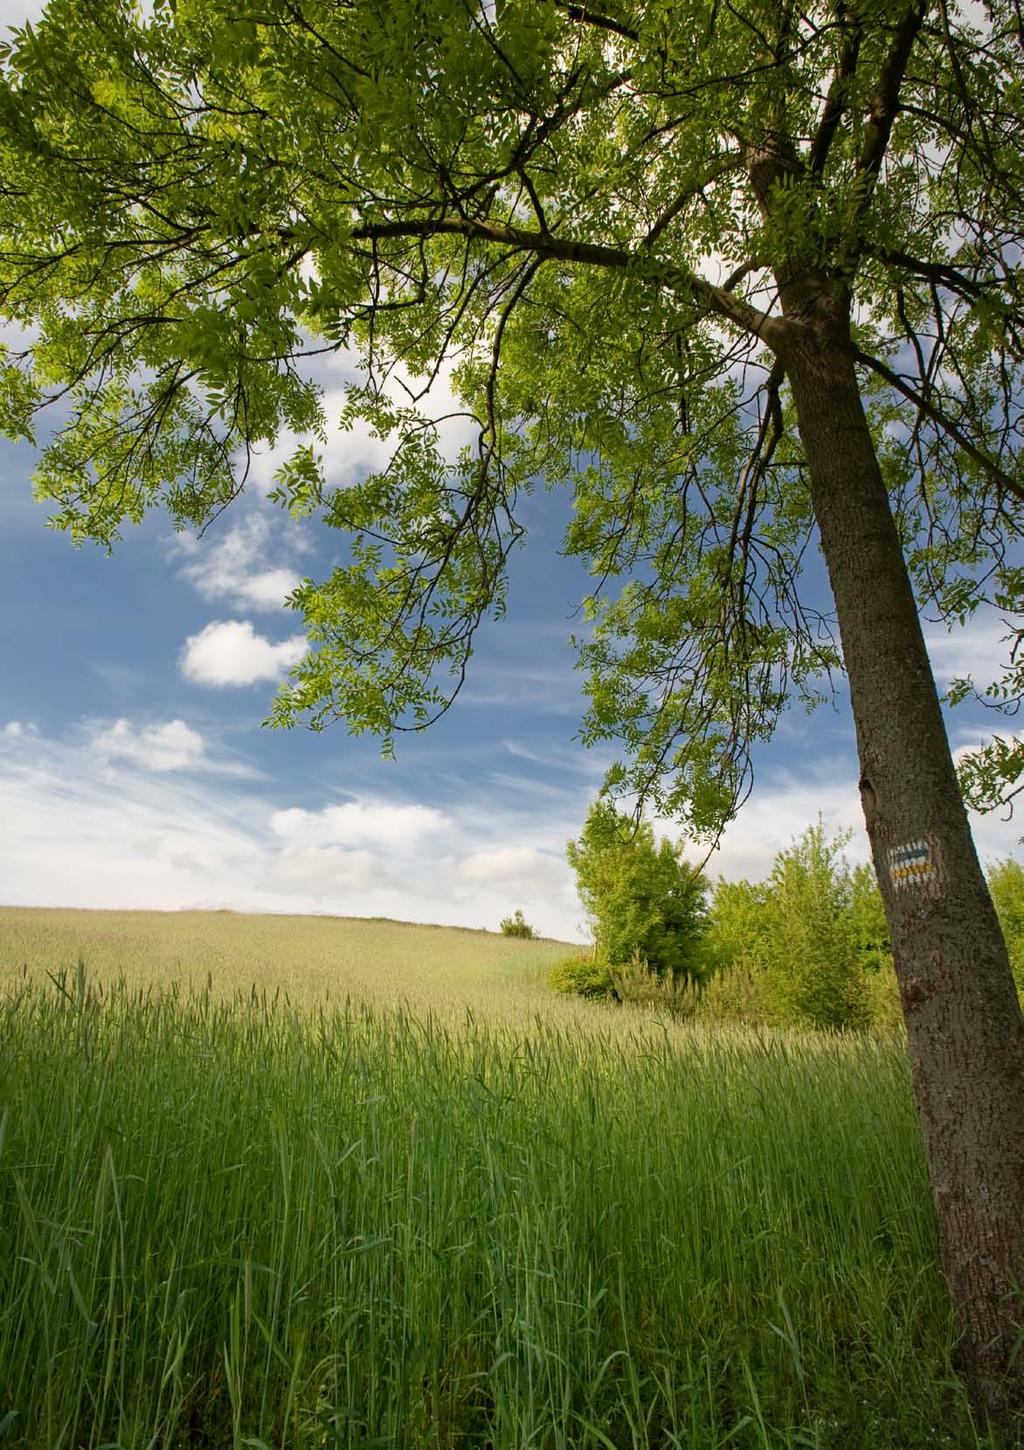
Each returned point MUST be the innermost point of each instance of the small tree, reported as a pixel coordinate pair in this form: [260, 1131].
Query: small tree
[811, 937]
[517, 925]
[735, 928]
[810, 943]
[640, 897]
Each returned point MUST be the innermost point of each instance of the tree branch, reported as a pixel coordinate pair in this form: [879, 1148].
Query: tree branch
[1001, 478]
[595, 18]
[593, 254]
[885, 102]
[835, 101]
[941, 273]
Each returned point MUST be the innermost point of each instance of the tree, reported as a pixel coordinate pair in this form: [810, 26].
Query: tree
[640, 897]
[517, 925]
[742, 278]
[811, 948]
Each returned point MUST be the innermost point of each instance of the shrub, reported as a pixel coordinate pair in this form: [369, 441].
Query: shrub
[738, 993]
[812, 953]
[585, 975]
[517, 925]
[641, 986]
[808, 946]
[1006, 883]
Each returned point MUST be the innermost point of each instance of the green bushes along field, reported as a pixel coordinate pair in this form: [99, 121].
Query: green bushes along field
[807, 947]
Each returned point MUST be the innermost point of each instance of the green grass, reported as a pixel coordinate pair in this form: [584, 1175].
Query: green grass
[229, 1221]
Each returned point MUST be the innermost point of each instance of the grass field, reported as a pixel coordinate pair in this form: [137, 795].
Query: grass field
[312, 959]
[421, 1203]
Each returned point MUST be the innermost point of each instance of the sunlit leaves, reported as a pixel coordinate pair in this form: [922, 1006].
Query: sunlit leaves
[194, 198]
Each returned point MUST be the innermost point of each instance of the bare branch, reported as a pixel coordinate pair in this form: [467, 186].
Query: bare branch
[998, 475]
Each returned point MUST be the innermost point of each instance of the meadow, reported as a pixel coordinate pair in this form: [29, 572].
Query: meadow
[276, 1182]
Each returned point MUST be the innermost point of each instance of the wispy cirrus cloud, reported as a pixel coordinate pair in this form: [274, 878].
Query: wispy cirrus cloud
[85, 825]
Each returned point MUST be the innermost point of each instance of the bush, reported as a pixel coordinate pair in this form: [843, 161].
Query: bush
[585, 975]
[809, 946]
[641, 986]
[640, 897]
[517, 925]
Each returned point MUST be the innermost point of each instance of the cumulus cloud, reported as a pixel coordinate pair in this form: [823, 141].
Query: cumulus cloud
[326, 870]
[235, 567]
[511, 866]
[172, 746]
[362, 822]
[348, 454]
[16, 729]
[230, 652]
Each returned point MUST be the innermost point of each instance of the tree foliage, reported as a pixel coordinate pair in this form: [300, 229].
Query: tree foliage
[641, 898]
[811, 951]
[517, 925]
[587, 212]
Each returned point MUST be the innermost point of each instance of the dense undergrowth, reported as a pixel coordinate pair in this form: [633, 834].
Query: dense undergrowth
[234, 1223]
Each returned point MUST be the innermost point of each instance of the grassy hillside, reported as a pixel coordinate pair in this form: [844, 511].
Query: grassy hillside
[312, 959]
[230, 1222]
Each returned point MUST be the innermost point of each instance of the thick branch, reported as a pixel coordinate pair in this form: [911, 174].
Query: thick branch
[591, 254]
[595, 18]
[885, 101]
[941, 273]
[835, 102]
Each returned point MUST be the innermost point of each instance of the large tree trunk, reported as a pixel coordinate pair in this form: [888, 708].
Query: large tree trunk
[964, 1023]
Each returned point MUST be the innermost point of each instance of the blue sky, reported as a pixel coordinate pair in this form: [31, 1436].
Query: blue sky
[134, 771]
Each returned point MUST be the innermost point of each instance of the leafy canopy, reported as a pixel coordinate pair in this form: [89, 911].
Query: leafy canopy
[585, 212]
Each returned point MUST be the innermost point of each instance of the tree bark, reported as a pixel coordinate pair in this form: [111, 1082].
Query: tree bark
[963, 1017]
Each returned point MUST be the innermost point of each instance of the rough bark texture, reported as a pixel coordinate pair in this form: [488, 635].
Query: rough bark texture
[964, 1023]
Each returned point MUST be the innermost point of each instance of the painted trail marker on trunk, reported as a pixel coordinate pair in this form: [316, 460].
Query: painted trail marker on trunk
[912, 864]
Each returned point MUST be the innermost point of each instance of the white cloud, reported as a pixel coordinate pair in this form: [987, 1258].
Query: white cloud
[230, 652]
[235, 567]
[349, 454]
[783, 805]
[374, 822]
[15, 729]
[326, 870]
[512, 866]
[87, 828]
[781, 808]
[172, 746]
